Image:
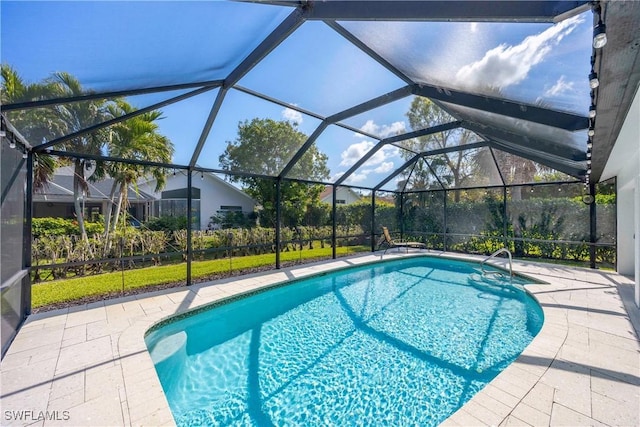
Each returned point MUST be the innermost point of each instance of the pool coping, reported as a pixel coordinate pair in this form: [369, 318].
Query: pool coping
[90, 365]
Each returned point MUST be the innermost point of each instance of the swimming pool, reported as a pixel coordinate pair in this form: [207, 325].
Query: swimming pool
[404, 342]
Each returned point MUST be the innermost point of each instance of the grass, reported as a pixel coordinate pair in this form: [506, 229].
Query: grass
[78, 288]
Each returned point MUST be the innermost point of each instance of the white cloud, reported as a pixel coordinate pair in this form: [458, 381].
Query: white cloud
[355, 152]
[561, 86]
[383, 131]
[507, 65]
[292, 115]
[473, 27]
[336, 176]
[355, 178]
[378, 163]
[385, 153]
[384, 167]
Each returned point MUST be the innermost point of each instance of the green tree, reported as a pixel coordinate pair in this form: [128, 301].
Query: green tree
[451, 168]
[73, 117]
[264, 147]
[35, 125]
[136, 138]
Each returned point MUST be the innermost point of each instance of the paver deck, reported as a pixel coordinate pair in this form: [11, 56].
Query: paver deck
[89, 366]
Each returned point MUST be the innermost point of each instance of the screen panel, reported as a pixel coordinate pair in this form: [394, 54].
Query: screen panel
[519, 170]
[252, 135]
[535, 63]
[466, 168]
[15, 285]
[319, 70]
[208, 41]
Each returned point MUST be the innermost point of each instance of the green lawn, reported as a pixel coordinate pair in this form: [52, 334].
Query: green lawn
[57, 291]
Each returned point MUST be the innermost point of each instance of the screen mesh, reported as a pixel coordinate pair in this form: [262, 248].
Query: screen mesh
[15, 286]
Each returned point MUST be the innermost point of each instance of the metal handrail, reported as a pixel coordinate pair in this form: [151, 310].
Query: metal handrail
[493, 255]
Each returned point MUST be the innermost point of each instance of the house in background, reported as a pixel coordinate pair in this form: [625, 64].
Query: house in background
[210, 194]
[56, 198]
[344, 195]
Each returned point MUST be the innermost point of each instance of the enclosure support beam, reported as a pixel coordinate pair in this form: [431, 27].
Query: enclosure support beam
[28, 216]
[482, 187]
[531, 145]
[107, 95]
[334, 212]
[402, 213]
[517, 110]
[397, 171]
[189, 226]
[360, 162]
[279, 102]
[308, 143]
[554, 162]
[371, 104]
[409, 10]
[403, 137]
[278, 220]
[505, 222]
[444, 216]
[90, 129]
[493, 156]
[373, 221]
[215, 108]
[277, 36]
[592, 226]
[427, 131]
[433, 172]
[366, 49]
[303, 111]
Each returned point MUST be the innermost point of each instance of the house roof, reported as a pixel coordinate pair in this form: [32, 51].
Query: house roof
[61, 186]
[212, 177]
[513, 73]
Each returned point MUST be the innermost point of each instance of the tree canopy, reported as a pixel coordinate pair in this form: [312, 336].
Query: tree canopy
[265, 147]
[136, 138]
[464, 168]
[35, 124]
[451, 168]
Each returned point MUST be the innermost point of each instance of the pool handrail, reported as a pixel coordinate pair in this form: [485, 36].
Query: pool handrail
[493, 255]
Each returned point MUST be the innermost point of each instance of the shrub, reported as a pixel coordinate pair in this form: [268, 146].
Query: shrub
[41, 227]
[233, 219]
[168, 224]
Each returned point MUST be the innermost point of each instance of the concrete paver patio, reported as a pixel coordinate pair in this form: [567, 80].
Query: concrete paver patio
[89, 365]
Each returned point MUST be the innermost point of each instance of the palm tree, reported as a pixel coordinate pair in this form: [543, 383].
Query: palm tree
[136, 138]
[514, 169]
[73, 117]
[35, 125]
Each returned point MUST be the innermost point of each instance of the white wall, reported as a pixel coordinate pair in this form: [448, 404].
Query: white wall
[342, 193]
[624, 164]
[214, 193]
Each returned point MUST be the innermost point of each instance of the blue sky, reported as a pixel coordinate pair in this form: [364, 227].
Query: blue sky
[121, 45]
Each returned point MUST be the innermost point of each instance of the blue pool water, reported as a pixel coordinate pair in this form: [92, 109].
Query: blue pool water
[405, 342]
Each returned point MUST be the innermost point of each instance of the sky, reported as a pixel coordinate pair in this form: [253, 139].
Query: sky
[122, 45]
